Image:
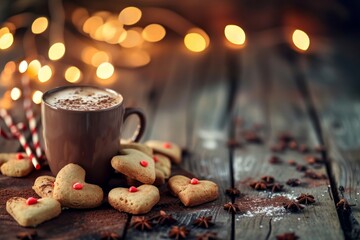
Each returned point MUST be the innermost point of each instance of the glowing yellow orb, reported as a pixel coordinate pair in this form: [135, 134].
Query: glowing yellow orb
[301, 40]
[23, 66]
[6, 40]
[15, 93]
[105, 70]
[44, 73]
[39, 25]
[37, 96]
[235, 34]
[195, 42]
[56, 51]
[153, 33]
[130, 15]
[72, 74]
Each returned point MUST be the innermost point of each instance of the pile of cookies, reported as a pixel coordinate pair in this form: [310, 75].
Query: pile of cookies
[145, 167]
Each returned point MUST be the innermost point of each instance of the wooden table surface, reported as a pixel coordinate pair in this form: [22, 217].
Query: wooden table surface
[201, 101]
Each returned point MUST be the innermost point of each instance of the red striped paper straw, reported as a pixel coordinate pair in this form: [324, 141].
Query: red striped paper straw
[30, 116]
[15, 132]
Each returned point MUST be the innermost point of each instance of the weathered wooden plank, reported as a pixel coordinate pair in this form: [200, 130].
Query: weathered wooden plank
[272, 100]
[334, 88]
[189, 114]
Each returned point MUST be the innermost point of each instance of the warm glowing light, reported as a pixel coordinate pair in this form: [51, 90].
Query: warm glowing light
[137, 58]
[3, 31]
[99, 57]
[195, 42]
[33, 68]
[6, 40]
[118, 37]
[37, 96]
[15, 93]
[79, 16]
[87, 53]
[92, 23]
[153, 33]
[110, 28]
[235, 34]
[44, 73]
[130, 15]
[9, 67]
[72, 74]
[56, 51]
[301, 40]
[105, 70]
[39, 25]
[23, 66]
[133, 39]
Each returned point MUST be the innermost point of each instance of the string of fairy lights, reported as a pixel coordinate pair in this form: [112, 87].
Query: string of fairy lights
[128, 43]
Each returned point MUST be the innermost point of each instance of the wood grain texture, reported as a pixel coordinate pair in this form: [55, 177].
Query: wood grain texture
[189, 114]
[272, 100]
[337, 100]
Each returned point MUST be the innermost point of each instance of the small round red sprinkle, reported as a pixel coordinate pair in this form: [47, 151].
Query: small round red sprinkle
[31, 201]
[194, 181]
[37, 167]
[156, 159]
[77, 186]
[143, 163]
[133, 189]
[19, 156]
[167, 145]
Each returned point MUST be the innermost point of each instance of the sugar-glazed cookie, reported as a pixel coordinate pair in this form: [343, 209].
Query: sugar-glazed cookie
[31, 212]
[192, 192]
[134, 200]
[137, 146]
[71, 190]
[136, 165]
[169, 149]
[163, 164]
[44, 186]
[15, 164]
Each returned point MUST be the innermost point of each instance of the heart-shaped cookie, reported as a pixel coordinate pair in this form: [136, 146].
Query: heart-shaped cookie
[172, 150]
[134, 200]
[32, 211]
[136, 165]
[163, 164]
[192, 192]
[137, 146]
[71, 190]
[15, 164]
[44, 186]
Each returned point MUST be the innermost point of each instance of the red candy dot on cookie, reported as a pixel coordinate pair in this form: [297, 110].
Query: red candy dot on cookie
[19, 156]
[194, 181]
[143, 163]
[31, 201]
[155, 159]
[77, 186]
[133, 189]
[167, 145]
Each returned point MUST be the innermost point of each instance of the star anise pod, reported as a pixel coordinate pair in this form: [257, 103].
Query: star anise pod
[207, 236]
[110, 236]
[301, 168]
[293, 206]
[306, 199]
[203, 222]
[252, 137]
[303, 148]
[274, 160]
[258, 185]
[293, 145]
[28, 235]
[277, 187]
[141, 223]
[233, 143]
[293, 182]
[287, 236]
[231, 207]
[178, 232]
[164, 219]
[233, 192]
[344, 204]
[314, 175]
[268, 179]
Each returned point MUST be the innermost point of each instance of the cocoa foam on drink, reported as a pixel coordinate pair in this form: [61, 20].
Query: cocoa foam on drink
[83, 99]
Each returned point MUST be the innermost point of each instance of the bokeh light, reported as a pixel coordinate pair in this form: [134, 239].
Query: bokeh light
[235, 34]
[72, 74]
[6, 40]
[37, 96]
[99, 57]
[23, 66]
[130, 15]
[39, 25]
[44, 73]
[301, 40]
[33, 68]
[105, 70]
[195, 42]
[57, 51]
[133, 38]
[15, 93]
[92, 23]
[153, 33]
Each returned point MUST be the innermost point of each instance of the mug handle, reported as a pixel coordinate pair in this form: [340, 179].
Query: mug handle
[141, 127]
